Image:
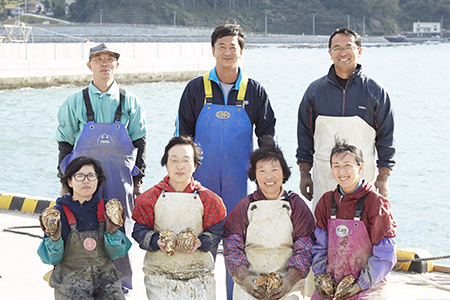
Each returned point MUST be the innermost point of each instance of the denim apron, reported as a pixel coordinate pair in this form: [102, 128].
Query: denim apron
[110, 144]
[225, 135]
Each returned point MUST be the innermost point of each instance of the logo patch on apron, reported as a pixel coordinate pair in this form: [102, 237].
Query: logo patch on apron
[222, 114]
[341, 231]
[89, 244]
[105, 139]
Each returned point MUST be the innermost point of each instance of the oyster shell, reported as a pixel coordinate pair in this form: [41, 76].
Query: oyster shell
[186, 238]
[325, 284]
[169, 239]
[114, 211]
[261, 280]
[273, 281]
[343, 286]
[50, 218]
[269, 281]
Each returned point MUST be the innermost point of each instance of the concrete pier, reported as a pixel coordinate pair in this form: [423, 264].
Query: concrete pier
[49, 64]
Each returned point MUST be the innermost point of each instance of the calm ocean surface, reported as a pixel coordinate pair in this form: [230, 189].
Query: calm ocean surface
[416, 78]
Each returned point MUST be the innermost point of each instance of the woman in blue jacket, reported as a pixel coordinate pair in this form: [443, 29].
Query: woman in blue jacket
[86, 240]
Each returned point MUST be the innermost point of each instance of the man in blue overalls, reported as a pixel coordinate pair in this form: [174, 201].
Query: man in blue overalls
[219, 110]
[106, 123]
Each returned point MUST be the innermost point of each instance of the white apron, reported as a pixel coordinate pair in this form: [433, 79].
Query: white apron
[269, 244]
[182, 275]
[353, 129]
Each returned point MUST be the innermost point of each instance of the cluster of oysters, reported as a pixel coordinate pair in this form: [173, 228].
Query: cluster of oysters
[50, 218]
[185, 239]
[114, 211]
[331, 289]
[268, 282]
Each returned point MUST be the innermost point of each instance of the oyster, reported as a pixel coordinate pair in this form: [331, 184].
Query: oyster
[261, 281]
[186, 238]
[169, 239]
[114, 211]
[343, 287]
[50, 218]
[269, 281]
[273, 281]
[324, 285]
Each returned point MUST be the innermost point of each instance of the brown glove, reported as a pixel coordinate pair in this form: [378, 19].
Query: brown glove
[137, 188]
[247, 280]
[291, 277]
[306, 183]
[110, 226]
[56, 235]
[382, 183]
[324, 284]
[347, 288]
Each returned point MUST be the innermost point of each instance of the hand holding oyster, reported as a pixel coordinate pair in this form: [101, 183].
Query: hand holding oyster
[169, 239]
[186, 238]
[50, 222]
[347, 288]
[268, 282]
[115, 212]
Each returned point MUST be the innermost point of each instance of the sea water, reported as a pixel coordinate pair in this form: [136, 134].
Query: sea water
[416, 78]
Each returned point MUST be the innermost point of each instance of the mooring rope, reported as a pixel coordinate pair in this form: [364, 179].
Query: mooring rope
[423, 259]
[11, 229]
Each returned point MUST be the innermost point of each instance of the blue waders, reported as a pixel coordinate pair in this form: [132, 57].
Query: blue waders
[225, 134]
[110, 144]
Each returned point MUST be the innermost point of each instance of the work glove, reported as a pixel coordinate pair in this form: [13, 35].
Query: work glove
[243, 277]
[55, 236]
[306, 183]
[110, 226]
[347, 288]
[291, 277]
[382, 183]
[324, 285]
[137, 188]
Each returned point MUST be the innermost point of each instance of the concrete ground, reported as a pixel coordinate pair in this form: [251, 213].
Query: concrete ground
[21, 270]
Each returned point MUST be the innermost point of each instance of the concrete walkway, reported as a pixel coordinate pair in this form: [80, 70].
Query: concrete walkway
[21, 270]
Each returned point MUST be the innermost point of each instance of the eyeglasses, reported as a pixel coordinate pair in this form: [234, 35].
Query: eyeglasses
[176, 161]
[81, 177]
[99, 60]
[346, 49]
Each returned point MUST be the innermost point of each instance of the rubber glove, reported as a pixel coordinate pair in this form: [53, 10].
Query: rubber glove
[247, 280]
[55, 236]
[306, 183]
[382, 183]
[324, 284]
[110, 226]
[291, 277]
[137, 188]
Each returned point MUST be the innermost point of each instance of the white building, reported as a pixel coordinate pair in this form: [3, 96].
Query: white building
[427, 28]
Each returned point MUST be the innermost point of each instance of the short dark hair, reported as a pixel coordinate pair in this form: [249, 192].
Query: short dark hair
[183, 140]
[346, 31]
[76, 164]
[226, 30]
[342, 146]
[268, 150]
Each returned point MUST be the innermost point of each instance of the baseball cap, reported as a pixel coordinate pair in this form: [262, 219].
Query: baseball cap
[102, 48]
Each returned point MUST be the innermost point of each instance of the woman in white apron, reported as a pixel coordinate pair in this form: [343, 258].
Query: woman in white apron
[354, 234]
[269, 231]
[176, 203]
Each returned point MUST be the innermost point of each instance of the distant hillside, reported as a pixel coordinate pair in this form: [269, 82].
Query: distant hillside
[320, 17]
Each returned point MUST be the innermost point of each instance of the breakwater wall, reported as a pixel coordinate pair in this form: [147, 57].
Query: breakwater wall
[50, 64]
